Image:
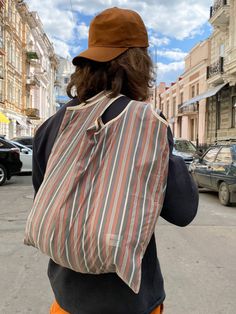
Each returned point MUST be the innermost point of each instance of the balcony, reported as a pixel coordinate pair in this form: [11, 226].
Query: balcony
[189, 109]
[219, 14]
[32, 113]
[32, 55]
[32, 81]
[215, 71]
[2, 2]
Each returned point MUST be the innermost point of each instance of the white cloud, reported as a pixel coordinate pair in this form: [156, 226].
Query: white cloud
[169, 72]
[157, 42]
[173, 54]
[83, 30]
[170, 18]
[177, 19]
[61, 48]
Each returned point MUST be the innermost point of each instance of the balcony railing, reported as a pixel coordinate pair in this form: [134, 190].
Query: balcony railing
[2, 2]
[32, 113]
[217, 5]
[215, 68]
[188, 109]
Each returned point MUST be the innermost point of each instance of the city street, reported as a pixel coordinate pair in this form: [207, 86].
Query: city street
[198, 262]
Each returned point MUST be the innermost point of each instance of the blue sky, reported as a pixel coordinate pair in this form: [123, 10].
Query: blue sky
[174, 27]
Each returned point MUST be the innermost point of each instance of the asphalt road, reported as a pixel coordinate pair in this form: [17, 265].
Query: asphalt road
[198, 262]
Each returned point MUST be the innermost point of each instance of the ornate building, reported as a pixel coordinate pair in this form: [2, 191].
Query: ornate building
[185, 114]
[64, 70]
[221, 73]
[28, 64]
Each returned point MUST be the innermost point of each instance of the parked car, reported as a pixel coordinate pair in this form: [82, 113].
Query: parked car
[24, 140]
[216, 170]
[25, 156]
[185, 149]
[10, 163]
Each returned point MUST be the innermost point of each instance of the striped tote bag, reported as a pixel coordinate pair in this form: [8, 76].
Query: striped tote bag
[103, 190]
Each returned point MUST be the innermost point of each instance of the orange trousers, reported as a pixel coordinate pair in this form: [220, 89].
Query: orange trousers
[56, 309]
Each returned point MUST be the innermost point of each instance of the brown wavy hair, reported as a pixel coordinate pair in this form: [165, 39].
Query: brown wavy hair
[130, 74]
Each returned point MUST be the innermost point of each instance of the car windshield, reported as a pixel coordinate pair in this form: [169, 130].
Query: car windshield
[184, 146]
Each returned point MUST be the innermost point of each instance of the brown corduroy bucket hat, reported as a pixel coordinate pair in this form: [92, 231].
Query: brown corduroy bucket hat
[111, 33]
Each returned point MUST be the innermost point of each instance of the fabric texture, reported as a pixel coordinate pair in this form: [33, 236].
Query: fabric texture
[98, 294]
[56, 309]
[101, 197]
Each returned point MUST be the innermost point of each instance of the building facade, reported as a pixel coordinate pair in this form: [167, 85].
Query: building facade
[12, 64]
[221, 107]
[187, 121]
[28, 64]
[64, 71]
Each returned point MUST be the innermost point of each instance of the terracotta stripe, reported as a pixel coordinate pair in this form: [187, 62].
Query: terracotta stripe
[124, 158]
[142, 153]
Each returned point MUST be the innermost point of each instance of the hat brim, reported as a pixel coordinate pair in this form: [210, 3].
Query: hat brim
[99, 54]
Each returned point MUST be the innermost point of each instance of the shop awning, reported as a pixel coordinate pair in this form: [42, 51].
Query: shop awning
[3, 118]
[22, 123]
[209, 93]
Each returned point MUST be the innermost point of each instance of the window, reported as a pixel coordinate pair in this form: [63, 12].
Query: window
[162, 106]
[1, 36]
[184, 146]
[197, 91]
[218, 114]
[66, 80]
[19, 97]
[20, 29]
[180, 126]
[222, 50]
[174, 105]
[192, 91]
[211, 154]
[1, 68]
[181, 98]
[8, 90]
[5, 144]
[167, 108]
[8, 51]
[233, 118]
[1, 90]
[224, 156]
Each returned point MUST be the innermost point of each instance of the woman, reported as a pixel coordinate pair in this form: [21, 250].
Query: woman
[116, 62]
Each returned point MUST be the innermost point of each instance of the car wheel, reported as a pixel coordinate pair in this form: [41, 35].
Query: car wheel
[3, 174]
[224, 194]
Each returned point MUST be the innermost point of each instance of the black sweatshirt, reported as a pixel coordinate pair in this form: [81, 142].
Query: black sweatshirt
[106, 293]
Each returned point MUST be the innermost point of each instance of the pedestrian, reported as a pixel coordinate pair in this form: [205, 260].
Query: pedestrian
[114, 71]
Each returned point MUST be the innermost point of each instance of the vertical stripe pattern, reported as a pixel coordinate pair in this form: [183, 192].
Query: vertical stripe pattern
[103, 190]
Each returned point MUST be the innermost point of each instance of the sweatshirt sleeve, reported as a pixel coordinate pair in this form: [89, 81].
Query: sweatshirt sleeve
[181, 198]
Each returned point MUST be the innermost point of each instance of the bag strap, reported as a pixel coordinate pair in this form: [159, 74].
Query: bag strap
[114, 109]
